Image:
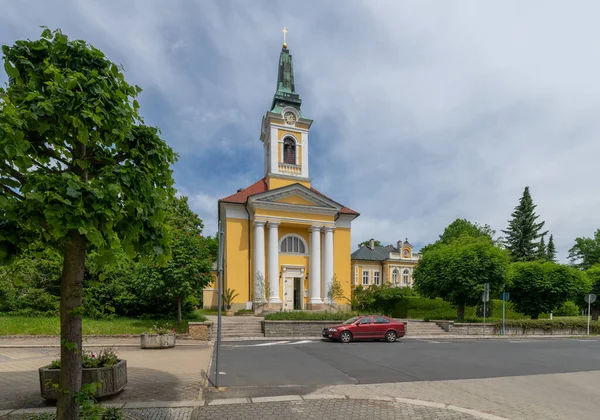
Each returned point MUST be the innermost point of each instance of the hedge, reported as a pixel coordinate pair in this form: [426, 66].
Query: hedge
[428, 309]
[309, 316]
[554, 324]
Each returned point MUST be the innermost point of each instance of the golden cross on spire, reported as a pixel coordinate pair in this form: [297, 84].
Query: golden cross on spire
[284, 37]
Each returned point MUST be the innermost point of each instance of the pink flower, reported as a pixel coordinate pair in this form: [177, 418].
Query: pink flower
[93, 356]
[172, 330]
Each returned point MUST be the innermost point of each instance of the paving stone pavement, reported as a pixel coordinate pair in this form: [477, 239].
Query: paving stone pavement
[153, 375]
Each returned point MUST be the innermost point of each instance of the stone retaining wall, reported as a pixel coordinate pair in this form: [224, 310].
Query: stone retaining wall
[491, 329]
[296, 328]
[200, 330]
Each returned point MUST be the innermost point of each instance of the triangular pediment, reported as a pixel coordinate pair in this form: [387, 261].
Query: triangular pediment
[295, 197]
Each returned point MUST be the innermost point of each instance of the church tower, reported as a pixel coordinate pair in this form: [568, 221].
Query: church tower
[284, 132]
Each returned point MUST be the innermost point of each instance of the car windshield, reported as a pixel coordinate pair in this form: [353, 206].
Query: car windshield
[352, 320]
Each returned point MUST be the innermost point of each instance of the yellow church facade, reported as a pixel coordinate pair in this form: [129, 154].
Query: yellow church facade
[284, 241]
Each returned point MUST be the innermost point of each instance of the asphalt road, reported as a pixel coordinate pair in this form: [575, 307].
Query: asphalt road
[299, 367]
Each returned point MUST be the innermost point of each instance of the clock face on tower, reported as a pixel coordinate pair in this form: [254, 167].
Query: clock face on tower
[290, 118]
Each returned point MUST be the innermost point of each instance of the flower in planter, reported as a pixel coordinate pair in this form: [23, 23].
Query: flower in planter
[104, 358]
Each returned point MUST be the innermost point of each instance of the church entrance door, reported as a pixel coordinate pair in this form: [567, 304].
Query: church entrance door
[297, 293]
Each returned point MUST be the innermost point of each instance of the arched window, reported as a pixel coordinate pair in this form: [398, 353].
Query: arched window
[395, 275]
[405, 277]
[292, 244]
[289, 151]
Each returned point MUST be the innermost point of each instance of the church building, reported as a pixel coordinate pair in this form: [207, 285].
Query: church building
[284, 241]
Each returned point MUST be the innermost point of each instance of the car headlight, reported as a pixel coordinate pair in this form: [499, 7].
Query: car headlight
[332, 329]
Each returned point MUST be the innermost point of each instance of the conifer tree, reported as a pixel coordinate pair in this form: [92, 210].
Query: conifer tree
[551, 250]
[542, 252]
[523, 231]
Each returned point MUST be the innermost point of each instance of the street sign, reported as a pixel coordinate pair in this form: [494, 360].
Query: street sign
[504, 296]
[486, 293]
[591, 298]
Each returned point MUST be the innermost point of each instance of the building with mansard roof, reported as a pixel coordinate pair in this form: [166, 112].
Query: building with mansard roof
[375, 265]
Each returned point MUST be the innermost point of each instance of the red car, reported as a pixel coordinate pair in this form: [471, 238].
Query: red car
[368, 327]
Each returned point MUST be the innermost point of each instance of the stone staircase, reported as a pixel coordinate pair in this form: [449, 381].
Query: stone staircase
[423, 329]
[236, 327]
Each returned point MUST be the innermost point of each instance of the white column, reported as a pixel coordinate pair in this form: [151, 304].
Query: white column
[315, 265]
[259, 255]
[274, 263]
[328, 259]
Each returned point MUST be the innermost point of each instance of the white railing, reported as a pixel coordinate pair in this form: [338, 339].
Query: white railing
[289, 169]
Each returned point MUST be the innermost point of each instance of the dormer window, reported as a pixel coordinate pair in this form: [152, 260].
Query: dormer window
[289, 151]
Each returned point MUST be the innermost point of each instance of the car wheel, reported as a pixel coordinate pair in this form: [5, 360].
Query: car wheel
[345, 337]
[390, 336]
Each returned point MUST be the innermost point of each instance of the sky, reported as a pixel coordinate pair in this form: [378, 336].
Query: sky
[423, 112]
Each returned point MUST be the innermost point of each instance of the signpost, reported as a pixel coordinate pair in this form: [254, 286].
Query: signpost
[504, 296]
[591, 298]
[220, 303]
[485, 298]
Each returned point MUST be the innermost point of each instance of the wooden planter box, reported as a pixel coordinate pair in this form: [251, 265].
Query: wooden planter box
[156, 341]
[113, 379]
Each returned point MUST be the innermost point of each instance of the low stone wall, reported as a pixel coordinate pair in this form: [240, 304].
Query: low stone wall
[491, 329]
[296, 328]
[201, 330]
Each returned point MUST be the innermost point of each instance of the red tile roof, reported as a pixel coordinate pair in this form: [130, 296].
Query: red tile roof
[260, 186]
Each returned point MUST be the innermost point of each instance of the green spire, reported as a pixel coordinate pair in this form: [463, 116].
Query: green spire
[286, 90]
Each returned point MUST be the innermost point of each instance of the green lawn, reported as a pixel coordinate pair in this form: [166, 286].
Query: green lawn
[24, 325]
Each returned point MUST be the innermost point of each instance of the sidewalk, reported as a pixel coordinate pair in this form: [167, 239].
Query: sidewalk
[176, 374]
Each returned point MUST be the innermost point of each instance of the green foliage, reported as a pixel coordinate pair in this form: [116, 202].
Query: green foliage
[523, 232]
[593, 276]
[460, 228]
[37, 302]
[554, 324]
[551, 250]
[378, 299]
[161, 329]
[457, 271]
[368, 243]
[90, 360]
[569, 308]
[113, 413]
[228, 296]
[542, 252]
[586, 251]
[335, 294]
[541, 287]
[438, 309]
[309, 316]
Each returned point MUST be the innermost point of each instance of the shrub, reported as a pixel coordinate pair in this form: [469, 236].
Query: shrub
[547, 324]
[163, 329]
[37, 301]
[378, 299]
[309, 316]
[423, 308]
[568, 308]
[112, 413]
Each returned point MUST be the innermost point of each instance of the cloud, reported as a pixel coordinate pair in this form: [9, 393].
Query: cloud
[423, 112]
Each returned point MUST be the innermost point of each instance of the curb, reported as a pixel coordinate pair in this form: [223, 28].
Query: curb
[196, 404]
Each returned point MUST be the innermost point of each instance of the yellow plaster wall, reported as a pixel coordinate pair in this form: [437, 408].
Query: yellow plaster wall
[294, 215]
[341, 259]
[274, 182]
[298, 136]
[296, 200]
[282, 133]
[237, 255]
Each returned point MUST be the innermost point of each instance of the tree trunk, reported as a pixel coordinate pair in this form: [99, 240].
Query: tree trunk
[71, 293]
[536, 316]
[595, 313]
[460, 312]
[179, 318]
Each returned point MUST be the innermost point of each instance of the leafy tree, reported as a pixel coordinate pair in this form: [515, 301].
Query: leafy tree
[188, 270]
[523, 231]
[457, 271]
[460, 228]
[368, 243]
[378, 299]
[542, 252]
[551, 250]
[335, 293]
[593, 275]
[540, 287]
[586, 251]
[78, 170]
